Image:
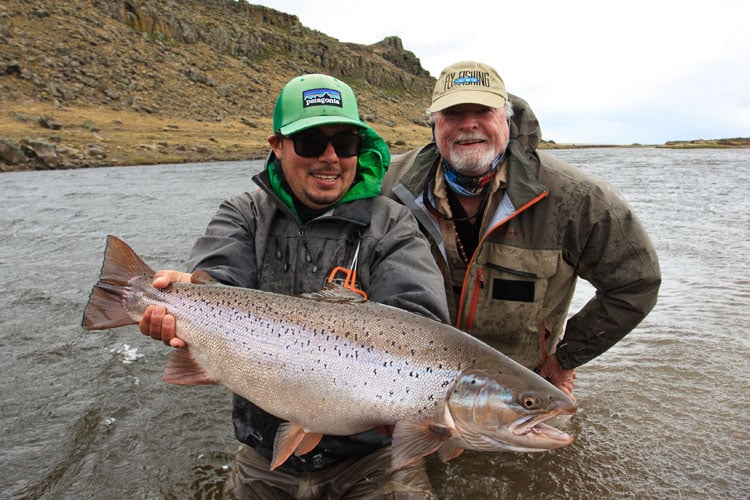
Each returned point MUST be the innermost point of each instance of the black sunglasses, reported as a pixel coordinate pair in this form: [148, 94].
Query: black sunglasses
[313, 144]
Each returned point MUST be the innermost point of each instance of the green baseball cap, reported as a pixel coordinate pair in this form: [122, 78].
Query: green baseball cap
[312, 100]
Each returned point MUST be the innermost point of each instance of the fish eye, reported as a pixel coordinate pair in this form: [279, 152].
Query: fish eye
[528, 401]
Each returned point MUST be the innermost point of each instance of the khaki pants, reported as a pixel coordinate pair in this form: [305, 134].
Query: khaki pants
[367, 477]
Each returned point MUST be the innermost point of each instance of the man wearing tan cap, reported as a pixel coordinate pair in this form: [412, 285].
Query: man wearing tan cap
[513, 229]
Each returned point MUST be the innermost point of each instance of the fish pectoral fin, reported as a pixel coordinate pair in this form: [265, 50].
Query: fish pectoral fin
[292, 438]
[183, 369]
[308, 443]
[412, 441]
[449, 452]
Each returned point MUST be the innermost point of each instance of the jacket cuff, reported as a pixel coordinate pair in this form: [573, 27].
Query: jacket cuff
[564, 358]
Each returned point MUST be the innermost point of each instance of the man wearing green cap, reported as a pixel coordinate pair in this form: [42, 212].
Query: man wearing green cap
[513, 229]
[318, 207]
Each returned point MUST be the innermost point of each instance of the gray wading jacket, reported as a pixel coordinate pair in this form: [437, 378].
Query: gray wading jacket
[551, 224]
[256, 241]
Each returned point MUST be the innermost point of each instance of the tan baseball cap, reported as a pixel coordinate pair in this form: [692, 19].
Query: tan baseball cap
[468, 82]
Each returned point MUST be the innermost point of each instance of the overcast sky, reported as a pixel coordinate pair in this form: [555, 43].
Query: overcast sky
[593, 71]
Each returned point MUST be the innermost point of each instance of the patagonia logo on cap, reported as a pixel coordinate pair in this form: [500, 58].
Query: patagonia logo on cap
[312, 101]
[321, 97]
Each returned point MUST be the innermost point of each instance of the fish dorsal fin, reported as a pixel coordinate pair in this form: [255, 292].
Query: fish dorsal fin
[292, 438]
[412, 441]
[333, 292]
[183, 369]
[201, 277]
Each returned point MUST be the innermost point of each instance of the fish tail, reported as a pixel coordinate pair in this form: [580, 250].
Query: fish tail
[106, 307]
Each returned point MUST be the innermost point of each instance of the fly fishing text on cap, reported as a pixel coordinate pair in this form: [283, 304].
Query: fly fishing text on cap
[314, 100]
[468, 82]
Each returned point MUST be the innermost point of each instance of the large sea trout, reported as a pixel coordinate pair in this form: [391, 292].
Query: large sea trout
[338, 367]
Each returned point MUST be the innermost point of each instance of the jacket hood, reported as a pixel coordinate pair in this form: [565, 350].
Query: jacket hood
[524, 127]
[372, 164]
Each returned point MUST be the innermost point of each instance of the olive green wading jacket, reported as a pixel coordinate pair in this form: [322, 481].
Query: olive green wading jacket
[550, 224]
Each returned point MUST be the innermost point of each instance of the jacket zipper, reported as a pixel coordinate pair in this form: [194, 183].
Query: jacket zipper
[479, 280]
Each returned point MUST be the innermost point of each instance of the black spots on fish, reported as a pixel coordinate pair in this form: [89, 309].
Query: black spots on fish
[320, 362]
[431, 403]
[445, 384]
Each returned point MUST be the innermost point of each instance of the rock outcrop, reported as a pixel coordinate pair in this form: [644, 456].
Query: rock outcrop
[189, 58]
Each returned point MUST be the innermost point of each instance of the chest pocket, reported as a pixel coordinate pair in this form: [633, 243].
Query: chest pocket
[508, 308]
[517, 274]
[296, 264]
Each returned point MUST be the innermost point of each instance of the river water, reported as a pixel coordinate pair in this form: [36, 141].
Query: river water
[663, 414]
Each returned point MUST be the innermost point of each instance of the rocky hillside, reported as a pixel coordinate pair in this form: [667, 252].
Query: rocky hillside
[119, 82]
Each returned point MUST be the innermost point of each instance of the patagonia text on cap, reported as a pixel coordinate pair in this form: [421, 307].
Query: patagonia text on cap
[468, 82]
[313, 100]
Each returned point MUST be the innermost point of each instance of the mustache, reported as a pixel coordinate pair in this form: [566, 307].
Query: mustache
[326, 171]
[470, 137]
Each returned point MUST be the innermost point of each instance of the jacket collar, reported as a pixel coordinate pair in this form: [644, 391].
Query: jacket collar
[357, 211]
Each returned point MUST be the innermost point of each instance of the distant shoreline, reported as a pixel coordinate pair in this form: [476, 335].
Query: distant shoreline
[736, 142]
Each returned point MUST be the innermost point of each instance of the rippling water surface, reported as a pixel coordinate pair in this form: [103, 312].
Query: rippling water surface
[664, 414]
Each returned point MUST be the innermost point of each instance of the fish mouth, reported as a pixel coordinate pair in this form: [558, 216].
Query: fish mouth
[539, 434]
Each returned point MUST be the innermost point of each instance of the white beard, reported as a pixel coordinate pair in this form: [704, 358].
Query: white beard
[471, 163]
